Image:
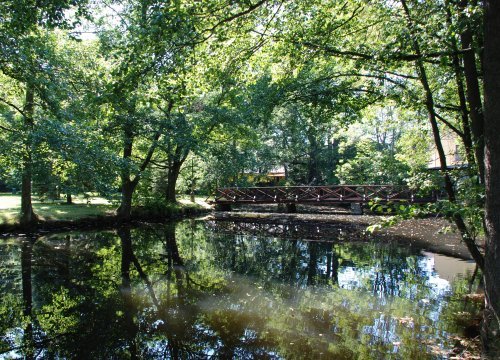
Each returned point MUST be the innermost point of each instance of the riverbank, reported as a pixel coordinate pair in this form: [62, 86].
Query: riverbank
[431, 234]
[62, 217]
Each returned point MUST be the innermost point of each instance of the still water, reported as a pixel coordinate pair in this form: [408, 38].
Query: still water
[201, 289]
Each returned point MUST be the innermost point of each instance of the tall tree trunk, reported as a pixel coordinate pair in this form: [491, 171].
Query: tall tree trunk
[28, 217]
[129, 184]
[473, 96]
[459, 78]
[429, 103]
[172, 176]
[313, 173]
[125, 209]
[491, 323]
[124, 212]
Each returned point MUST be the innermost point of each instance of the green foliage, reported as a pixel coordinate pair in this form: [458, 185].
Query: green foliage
[325, 90]
[372, 165]
[160, 209]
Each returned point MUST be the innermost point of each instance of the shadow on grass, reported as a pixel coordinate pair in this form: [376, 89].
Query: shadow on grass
[71, 212]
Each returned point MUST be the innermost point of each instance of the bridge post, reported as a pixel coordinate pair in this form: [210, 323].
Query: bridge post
[222, 207]
[356, 209]
[291, 208]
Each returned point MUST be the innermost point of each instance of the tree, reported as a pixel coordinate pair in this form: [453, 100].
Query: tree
[491, 337]
[155, 48]
[27, 59]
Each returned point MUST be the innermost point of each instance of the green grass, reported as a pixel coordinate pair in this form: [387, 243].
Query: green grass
[58, 211]
[49, 210]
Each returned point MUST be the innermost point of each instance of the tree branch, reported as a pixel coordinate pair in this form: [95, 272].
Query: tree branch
[18, 109]
[447, 123]
[396, 57]
[8, 129]
[237, 15]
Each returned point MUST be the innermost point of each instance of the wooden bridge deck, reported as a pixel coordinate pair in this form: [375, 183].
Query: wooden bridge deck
[334, 194]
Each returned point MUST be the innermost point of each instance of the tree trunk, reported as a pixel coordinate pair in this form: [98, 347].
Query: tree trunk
[69, 199]
[491, 323]
[172, 176]
[464, 114]
[429, 103]
[129, 184]
[473, 97]
[125, 210]
[313, 173]
[28, 217]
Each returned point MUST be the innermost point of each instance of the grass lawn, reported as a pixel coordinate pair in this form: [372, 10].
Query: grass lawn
[185, 200]
[49, 210]
[58, 210]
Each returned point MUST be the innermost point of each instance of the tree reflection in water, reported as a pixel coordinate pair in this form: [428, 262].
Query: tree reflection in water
[28, 343]
[191, 290]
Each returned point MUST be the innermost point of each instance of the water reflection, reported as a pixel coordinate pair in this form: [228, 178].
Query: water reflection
[27, 337]
[192, 290]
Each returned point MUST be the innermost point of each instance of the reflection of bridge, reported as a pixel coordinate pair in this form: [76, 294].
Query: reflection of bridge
[303, 231]
[334, 194]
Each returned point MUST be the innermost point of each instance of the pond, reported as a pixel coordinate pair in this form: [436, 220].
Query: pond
[207, 289]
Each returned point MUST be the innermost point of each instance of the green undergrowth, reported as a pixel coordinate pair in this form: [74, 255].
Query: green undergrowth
[160, 209]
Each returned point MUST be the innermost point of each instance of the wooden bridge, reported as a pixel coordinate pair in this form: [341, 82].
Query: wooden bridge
[333, 194]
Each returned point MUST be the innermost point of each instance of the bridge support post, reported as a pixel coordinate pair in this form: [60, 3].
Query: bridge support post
[222, 207]
[356, 209]
[291, 208]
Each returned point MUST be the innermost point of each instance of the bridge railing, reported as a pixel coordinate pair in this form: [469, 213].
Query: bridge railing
[321, 194]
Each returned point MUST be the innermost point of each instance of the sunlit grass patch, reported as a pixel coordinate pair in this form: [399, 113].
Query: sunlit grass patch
[97, 207]
[9, 216]
[9, 201]
[57, 212]
[12, 201]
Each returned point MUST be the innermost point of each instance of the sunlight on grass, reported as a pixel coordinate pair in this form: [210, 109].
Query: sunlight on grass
[10, 204]
[59, 211]
[10, 201]
[199, 200]
[8, 217]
